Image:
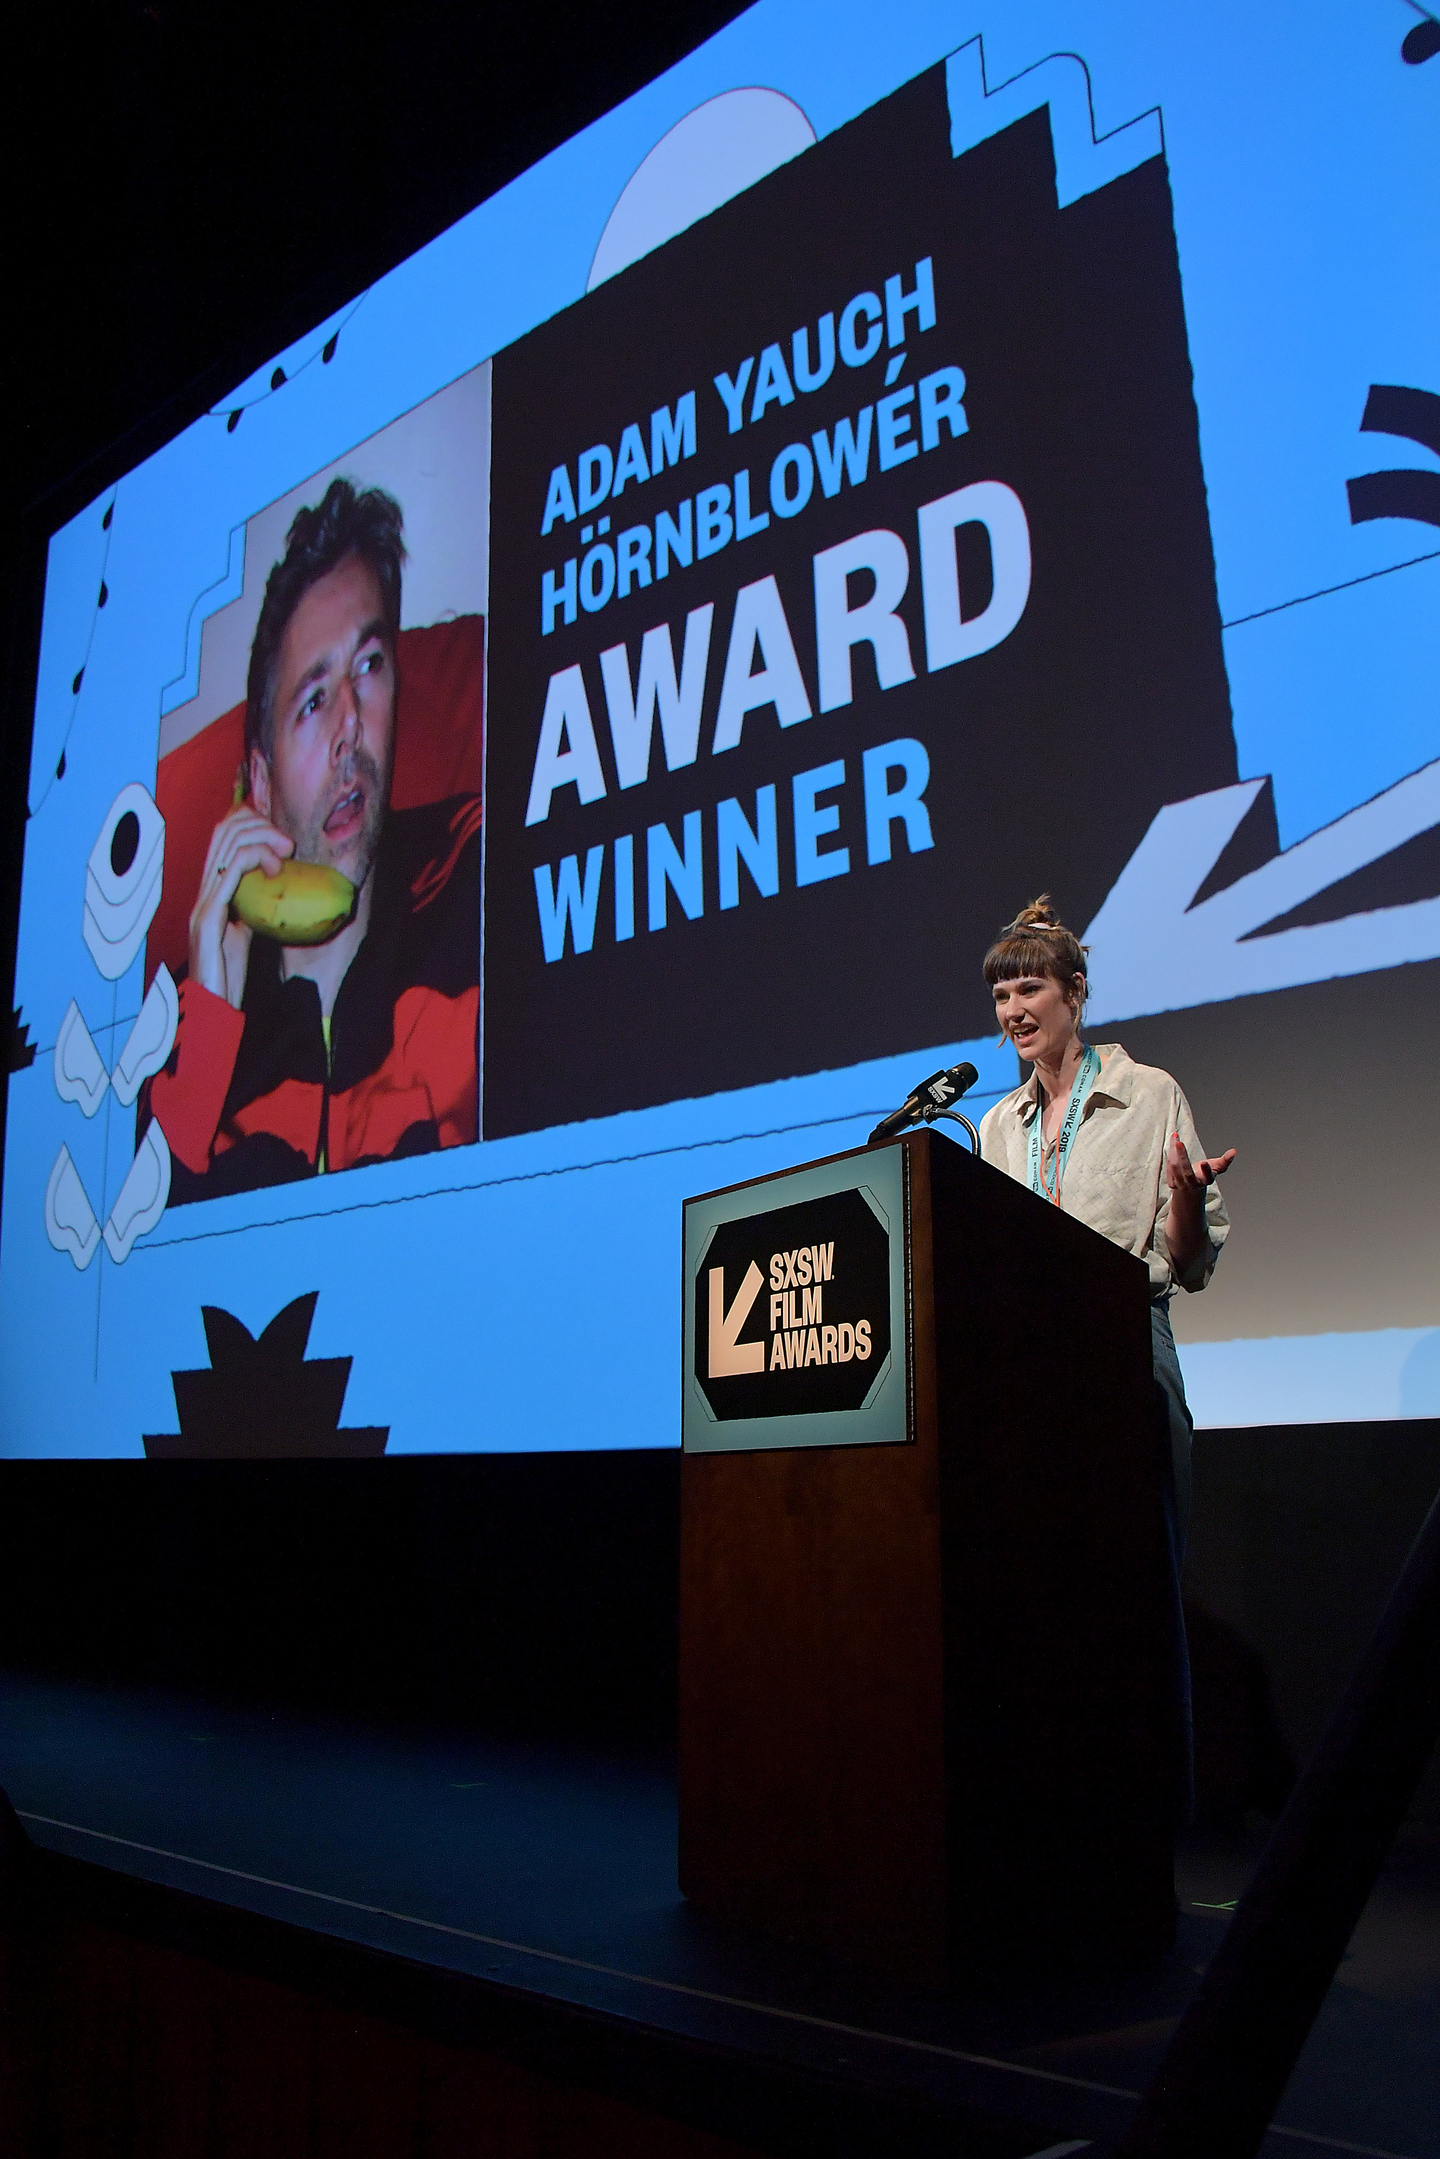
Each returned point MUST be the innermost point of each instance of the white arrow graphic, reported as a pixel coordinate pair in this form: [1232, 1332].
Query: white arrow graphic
[70, 1222]
[1151, 951]
[728, 1355]
[142, 1197]
[148, 1043]
[80, 1074]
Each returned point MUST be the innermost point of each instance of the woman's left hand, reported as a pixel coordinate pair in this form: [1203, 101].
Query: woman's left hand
[1182, 1176]
[1185, 1233]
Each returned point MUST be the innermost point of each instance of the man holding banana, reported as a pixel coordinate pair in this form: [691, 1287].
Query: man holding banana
[329, 1011]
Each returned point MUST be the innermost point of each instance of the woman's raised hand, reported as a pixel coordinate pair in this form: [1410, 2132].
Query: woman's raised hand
[1185, 1235]
[1183, 1176]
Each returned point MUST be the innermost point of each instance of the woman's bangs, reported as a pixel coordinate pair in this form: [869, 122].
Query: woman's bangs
[1014, 957]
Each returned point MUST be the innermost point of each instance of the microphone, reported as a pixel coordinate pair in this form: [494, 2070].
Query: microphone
[925, 1102]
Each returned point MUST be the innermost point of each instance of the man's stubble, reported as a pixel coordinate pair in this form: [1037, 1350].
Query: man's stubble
[309, 837]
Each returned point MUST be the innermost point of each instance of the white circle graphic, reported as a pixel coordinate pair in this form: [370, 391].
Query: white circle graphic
[714, 153]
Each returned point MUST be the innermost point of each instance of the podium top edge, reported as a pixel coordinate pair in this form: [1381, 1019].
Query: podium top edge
[921, 1136]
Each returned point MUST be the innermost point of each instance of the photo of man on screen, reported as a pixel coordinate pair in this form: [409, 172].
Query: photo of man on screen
[297, 1058]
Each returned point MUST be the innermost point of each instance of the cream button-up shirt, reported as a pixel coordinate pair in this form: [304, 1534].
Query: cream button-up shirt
[1115, 1175]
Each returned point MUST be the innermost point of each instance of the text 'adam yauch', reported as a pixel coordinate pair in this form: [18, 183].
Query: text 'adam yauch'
[850, 575]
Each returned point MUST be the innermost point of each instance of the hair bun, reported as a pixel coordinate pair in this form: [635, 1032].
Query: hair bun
[1037, 943]
[1039, 915]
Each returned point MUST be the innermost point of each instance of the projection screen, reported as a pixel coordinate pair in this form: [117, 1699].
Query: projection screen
[884, 470]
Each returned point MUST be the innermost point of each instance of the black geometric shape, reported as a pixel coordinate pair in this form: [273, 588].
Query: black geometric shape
[75, 685]
[104, 592]
[60, 768]
[234, 420]
[124, 843]
[1422, 43]
[289, 1331]
[1411, 494]
[19, 1050]
[1254, 842]
[1408, 873]
[105, 520]
[277, 378]
[228, 1340]
[261, 1400]
[1393, 409]
[329, 353]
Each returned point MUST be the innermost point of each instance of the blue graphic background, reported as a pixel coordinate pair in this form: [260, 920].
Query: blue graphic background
[525, 1294]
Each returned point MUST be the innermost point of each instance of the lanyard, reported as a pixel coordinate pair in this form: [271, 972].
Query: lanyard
[1080, 1087]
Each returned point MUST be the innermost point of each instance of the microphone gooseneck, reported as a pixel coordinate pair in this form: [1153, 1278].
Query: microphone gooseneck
[931, 1099]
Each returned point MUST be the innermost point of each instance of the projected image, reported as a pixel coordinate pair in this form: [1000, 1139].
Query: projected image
[925, 472]
[321, 907]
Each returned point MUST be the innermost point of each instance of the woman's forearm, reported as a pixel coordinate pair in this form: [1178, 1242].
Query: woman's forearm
[1186, 1232]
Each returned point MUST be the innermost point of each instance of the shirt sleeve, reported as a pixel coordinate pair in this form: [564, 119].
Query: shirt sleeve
[1217, 1221]
[188, 1096]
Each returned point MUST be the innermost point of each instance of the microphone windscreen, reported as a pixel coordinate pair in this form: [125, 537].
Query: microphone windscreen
[964, 1077]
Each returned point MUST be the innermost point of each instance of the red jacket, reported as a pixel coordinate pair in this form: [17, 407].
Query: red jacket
[250, 1098]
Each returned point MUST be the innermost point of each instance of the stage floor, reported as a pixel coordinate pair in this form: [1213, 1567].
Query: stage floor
[551, 1871]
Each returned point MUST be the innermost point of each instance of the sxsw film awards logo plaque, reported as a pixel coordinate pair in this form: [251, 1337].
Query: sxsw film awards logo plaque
[795, 1310]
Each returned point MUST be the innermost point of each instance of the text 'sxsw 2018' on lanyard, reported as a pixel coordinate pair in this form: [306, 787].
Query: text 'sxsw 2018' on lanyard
[1084, 1080]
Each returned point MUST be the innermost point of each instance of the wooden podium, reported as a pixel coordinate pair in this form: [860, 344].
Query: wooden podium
[927, 1708]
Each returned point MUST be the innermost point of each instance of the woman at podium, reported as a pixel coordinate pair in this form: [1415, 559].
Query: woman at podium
[1109, 1140]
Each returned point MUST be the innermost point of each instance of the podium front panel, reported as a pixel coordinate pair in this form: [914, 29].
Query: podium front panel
[798, 1310]
[926, 1717]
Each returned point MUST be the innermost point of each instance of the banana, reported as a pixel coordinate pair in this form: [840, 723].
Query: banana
[303, 905]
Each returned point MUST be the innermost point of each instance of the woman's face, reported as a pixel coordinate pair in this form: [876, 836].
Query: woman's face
[1036, 1014]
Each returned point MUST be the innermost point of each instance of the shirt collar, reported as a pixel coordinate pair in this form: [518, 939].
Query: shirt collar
[1116, 1083]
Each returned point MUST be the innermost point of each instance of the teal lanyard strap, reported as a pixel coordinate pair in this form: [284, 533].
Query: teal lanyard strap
[1080, 1087]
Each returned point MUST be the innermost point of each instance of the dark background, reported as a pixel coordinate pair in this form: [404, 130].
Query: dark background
[188, 188]
[191, 185]
[536, 1596]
